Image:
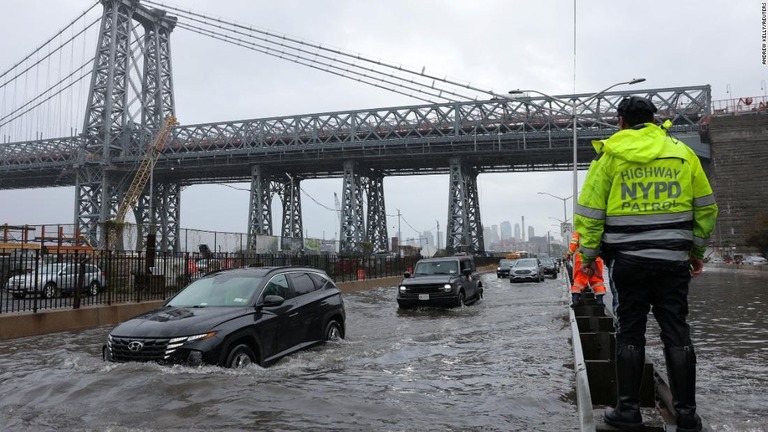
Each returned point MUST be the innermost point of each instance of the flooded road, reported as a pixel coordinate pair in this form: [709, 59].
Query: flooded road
[503, 364]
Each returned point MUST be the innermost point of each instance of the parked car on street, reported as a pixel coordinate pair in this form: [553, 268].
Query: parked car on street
[549, 267]
[502, 271]
[754, 260]
[446, 281]
[53, 279]
[236, 317]
[527, 269]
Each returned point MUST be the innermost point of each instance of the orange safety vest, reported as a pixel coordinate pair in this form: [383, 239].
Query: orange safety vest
[581, 280]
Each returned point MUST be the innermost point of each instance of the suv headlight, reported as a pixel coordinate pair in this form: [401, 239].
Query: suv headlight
[403, 288]
[447, 287]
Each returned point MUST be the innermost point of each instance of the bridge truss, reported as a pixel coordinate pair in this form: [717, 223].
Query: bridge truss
[460, 138]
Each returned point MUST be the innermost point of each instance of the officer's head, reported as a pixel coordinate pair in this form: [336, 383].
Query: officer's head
[635, 110]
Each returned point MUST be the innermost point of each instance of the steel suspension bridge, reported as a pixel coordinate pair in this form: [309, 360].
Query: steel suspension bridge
[126, 89]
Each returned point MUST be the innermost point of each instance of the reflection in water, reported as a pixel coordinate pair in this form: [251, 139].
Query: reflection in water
[501, 365]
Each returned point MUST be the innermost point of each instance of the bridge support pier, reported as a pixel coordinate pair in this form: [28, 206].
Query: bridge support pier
[292, 233]
[260, 217]
[376, 228]
[352, 225]
[465, 230]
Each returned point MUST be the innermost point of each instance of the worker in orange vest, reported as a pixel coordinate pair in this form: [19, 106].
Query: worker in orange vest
[580, 279]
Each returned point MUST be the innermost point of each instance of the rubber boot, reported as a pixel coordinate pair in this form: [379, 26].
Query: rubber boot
[599, 299]
[681, 368]
[630, 361]
[575, 299]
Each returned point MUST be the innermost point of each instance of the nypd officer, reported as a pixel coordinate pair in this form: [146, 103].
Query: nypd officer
[647, 208]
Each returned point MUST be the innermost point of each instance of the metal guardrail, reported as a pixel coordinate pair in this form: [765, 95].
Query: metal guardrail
[583, 394]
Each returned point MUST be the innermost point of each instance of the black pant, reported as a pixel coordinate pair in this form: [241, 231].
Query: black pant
[641, 286]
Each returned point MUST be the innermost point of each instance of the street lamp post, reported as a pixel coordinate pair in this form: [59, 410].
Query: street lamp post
[574, 116]
[565, 214]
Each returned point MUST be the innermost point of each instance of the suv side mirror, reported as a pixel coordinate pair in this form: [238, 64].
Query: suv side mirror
[273, 300]
[407, 274]
[466, 272]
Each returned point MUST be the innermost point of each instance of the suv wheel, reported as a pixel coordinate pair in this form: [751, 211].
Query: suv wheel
[50, 290]
[241, 356]
[333, 331]
[460, 299]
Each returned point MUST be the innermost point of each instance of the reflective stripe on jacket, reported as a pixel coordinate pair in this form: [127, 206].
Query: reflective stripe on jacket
[645, 195]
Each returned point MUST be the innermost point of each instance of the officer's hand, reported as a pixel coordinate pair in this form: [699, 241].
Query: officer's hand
[697, 266]
[589, 268]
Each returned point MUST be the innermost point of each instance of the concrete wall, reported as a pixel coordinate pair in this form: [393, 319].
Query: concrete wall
[740, 181]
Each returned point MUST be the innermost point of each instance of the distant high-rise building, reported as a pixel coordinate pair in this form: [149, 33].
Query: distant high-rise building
[487, 236]
[517, 232]
[495, 233]
[429, 238]
[506, 230]
[530, 232]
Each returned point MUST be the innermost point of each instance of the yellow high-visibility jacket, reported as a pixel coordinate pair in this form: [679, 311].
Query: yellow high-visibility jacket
[647, 196]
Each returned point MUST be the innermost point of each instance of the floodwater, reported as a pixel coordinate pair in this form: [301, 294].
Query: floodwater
[729, 328]
[504, 364]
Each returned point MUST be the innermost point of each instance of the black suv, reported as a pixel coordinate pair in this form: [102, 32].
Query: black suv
[549, 266]
[233, 318]
[446, 281]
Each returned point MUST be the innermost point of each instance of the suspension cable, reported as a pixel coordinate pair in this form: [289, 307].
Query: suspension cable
[87, 73]
[49, 40]
[333, 59]
[287, 56]
[334, 51]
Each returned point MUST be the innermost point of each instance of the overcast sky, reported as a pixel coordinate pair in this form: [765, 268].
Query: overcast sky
[496, 45]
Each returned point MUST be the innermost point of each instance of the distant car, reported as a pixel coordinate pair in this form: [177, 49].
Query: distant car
[754, 260]
[53, 279]
[527, 269]
[549, 267]
[502, 271]
[234, 318]
[716, 260]
[445, 281]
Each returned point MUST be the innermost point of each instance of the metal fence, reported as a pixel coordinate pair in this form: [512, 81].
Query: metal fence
[33, 280]
[68, 237]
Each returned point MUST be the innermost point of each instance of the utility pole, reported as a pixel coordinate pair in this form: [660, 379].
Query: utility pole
[399, 240]
[438, 235]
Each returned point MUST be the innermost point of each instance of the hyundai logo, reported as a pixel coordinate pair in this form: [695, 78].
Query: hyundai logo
[135, 346]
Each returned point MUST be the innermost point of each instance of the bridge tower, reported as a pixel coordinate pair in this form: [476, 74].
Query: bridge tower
[260, 216]
[351, 236]
[290, 194]
[110, 131]
[465, 230]
[376, 229]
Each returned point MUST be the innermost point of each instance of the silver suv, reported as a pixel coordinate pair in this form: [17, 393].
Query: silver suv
[53, 279]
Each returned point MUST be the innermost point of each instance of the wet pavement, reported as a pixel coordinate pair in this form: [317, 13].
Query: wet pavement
[504, 364]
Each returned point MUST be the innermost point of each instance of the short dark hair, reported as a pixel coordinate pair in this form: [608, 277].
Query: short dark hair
[636, 110]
